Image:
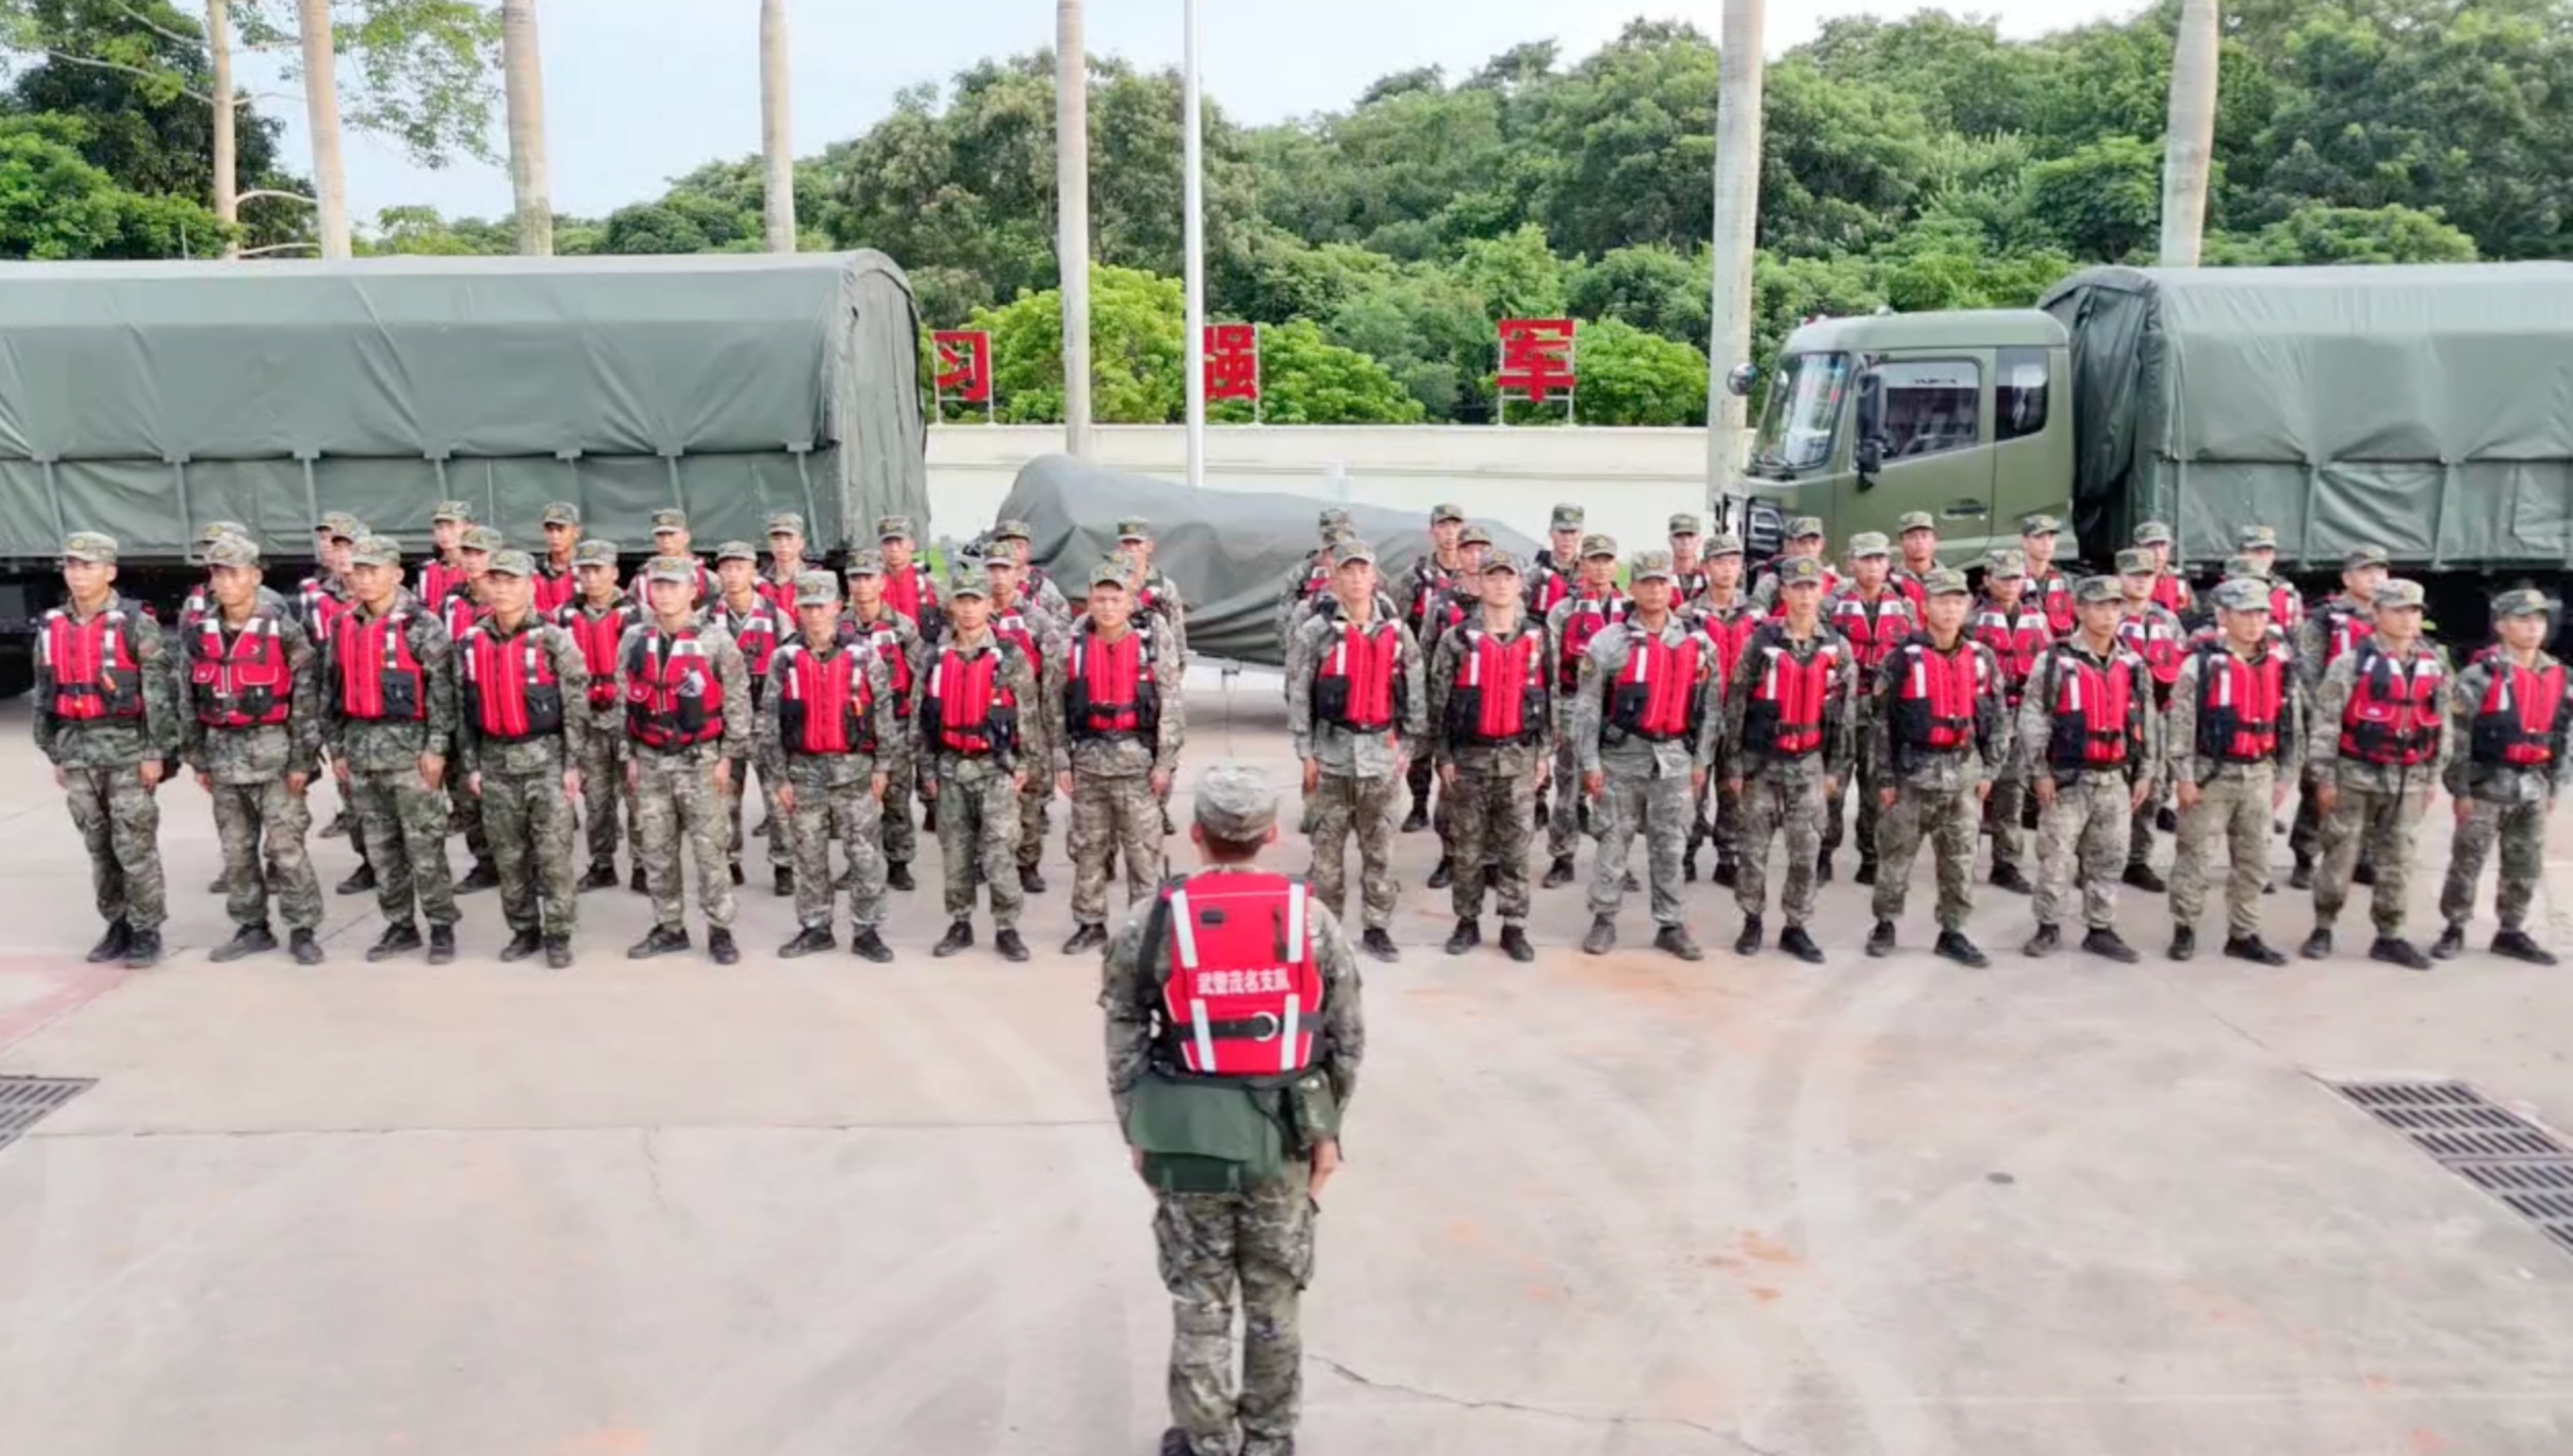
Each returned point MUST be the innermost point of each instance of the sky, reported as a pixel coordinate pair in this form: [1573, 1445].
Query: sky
[640, 91]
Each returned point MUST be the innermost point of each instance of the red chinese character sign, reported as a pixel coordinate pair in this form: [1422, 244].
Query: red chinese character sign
[1233, 364]
[963, 367]
[1536, 363]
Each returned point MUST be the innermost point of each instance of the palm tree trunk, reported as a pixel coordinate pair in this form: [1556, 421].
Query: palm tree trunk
[219, 47]
[322, 108]
[522, 71]
[1740, 80]
[775, 133]
[1072, 220]
[2190, 150]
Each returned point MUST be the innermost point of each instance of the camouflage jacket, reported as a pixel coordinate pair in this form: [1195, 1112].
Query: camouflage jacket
[1307, 579]
[1166, 602]
[2188, 763]
[2036, 711]
[606, 720]
[2480, 771]
[1128, 755]
[827, 770]
[2331, 705]
[1015, 676]
[384, 745]
[1597, 744]
[1447, 741]
[732, 676]
[1041, 590]
[1425, 580]
[897, 637]
[1986, 753]
[268, 752]
[543, 753]
[2331, 627]
[113, 742]
[1840, 718]
[1129, 992]
[1337, 749]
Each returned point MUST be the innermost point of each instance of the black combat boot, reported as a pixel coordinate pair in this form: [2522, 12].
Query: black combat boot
[1030, 882]
[305, 947]
[1796, 943]
[483, 876]
[2517, 945]
[867, 943]
[558, 953]
[2397, 951]
[523, 944]
[1558, 874]
[2104, 943]
[1515, 944]
[250, 939]
[1728, 871]
[1823, 867]
[111, 945]
[898, 875]
[2319, 946]
[1085, 937]
[400, 938]
[1007, 941]
[1748, 943]
[359, 883]
[142, 950]
[664, 939]
[2142, 876]
[1418, 819]
[1469, 934]
[2450, 944]
[1880, 940]
[2365, 874]
[441, 945]
[959, 937]
[1866, 871]
[1954, 946]
[785, 885]
[637, 883]
[2253, 950]
[1378, 944]
[735, 868]
[1688, 867]
[2184, 943]
[2302, 876]
[720, 948]
[810, 938]
[1444, 875]
[2008, 877]
[601, 876]
[1602, 936]
[2046, 942]
[1675, 939]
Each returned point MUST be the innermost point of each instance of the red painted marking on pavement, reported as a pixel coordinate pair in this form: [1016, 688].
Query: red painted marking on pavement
[37, 990]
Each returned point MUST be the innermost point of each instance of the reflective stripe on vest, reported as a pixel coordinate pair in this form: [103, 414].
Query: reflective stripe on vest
[2018, 636]
[1499, 693]
[1655, 695]
[92, 666]
[460, 612]
[2171, 593]
[1936, 699]
[2392, 718]
[825, 705]
[1109, 690]
[1874, 629]
[1587, 619]
[1246, 987]
[551, 592]
[2155, 640]
[242, 683]
[973, 709]
[2053, 593]
[1548, 592]
[756, 633]
[2344, 630]
[908, 591]
[1789, 698]
[322, 609]
[1355, 683]
[510, 684]
[2239, 703]
[2515, 724]
[1730, 629]
[599, 636]
[2091, 710]
[885, 640]
[673, 698]
[379, 678]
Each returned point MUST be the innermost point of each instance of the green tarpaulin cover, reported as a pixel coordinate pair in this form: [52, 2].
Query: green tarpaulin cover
[139, 399]
[2429, 410]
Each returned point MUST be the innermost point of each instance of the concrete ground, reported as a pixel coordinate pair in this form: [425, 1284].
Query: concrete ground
[1592, 1206]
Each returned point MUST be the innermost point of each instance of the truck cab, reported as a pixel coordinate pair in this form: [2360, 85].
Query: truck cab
[1965, 416]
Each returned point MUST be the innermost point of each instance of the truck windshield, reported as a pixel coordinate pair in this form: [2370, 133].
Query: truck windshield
[1804, 411]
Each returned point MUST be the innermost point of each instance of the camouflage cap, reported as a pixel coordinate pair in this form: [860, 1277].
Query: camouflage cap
[736, 551]
[375, 550]
[1110, 568]
[669, 518]
[512, 563]
[484, 539]
[2135, 561]
[2256, 539]
[866, 561]
[1338, 533]
[969, 581]
[1330, 516]
[215, 530]
[1598, 546]
[2523, 602]
[786, 523]
[1800, 571]
[1445, 511]
[1353, 550]
[1722, 543]
[816, 589]
[1944, 581]
[342, 526]
[1870, 543]
[1569, 517]
[1804, 527]
[2153, 534]
[560, 512]
[2400, 593]
[595, 552]
[1915, 520]
[1474, 536]
[1011, 528]
[2239, 566]
[231, 551]
[2039, 525]
[450, 513]
[682, 569]
[1500, 560]
[2008, 566]
[2365, 557]
[1235, 801]
[1652, 565]
[1134, 528]
[2243, 594]
[1686, 524]
[2096, 589]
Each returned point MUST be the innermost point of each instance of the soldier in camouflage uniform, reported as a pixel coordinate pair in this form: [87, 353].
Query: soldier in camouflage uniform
[525, 774]
[1017, 538]
[2090, 767]
[1115, 725]
[895, 639]
[601, 614]
[1151, 587]
[1790, 752]
[1238, 1157]
[2235, 736]
[1355, 706]
[388, 682]
[2380, 737]
[1432, 576]
[106, 722]
[245, 659]
[1590, 602]
[1491, 781]
[1644, 721]
[2337, 624]
[828, 721]
[757, 625]
[2154, 633]
[317, 601]
[978, 725]
[1804, 538]
[687, 721]
[467, 599]
[1042, 639]
[1311, 577]
[1942, 730]
[2510, 716]
[1724, 610]
[2019, 629]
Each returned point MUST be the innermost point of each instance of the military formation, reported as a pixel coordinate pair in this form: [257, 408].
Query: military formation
[552, 714]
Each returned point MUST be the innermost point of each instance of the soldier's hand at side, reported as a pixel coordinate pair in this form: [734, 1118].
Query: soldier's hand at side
[2188, 795]
[206, 781]
[1158, 779]
[571, 783]
[786, 797]
[1447, 775]
[1697, 782]
[1134, 1155]
[1326, 1162]
[2278, 797]
[880, 785]
[432, 771]
[929, 789]
[2467, 809]
[473, 784]
[1888, 797]
[1312, 775]
[150, 770]
[1594, 783]
[1018, 779]
[1733, 786]
[2143, 791]
[2044, 791]
[295, 783]
[2327, 796]
[1984, 791]
[1063, 785]
[721, 776]
[633, 776]
[340, 771]
[62, 780]
[1831, 788]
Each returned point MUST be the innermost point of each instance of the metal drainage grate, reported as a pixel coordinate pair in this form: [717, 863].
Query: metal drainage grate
[24, 1101]
[2482, 1141]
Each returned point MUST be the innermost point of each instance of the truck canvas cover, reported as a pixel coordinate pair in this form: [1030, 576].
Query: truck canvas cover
[2429, 410]
[141, 398]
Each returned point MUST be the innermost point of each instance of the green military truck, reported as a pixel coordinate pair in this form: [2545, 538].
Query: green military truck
[144, 399]
[2429, 410]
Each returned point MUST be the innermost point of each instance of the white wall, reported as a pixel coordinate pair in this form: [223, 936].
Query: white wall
[1630, 481]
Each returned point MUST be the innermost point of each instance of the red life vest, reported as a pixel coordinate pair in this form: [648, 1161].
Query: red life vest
[321, 607]
[510, 684]
[199, 605]
[1245, 990]
[1548, 591]
[1778, 594]
[1109, 690]
[437, 578]
[2287, 607]
[673, 698]
[2091, 704]
[2053, 593]
[911, 592]
[1790, 696]
[2157, 640]
[2344, 628]
[2516, 723]
[549, 591]
[377, 677]
[972, 710]
[885, 640]
[1359, 683]
[460, 612]
[244, 683]
[1655, 696]
[2393, 719]
[1499, 694]
[1912, 590]
[1688, 586]
[2018, 636]
[779, 594]
[825, 705]
[756, 633]
[1581, 624]
[1874, 629]
[1429, 580]
[1014, 627]
[1730, 629]
[2239, 704]
[599, 636]
[2171, 593]
[1941, 699]
[92, 665]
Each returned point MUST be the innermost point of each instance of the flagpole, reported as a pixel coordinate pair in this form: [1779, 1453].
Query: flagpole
[1193, 161]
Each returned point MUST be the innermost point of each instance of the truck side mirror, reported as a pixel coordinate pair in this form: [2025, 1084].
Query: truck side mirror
[1739, 380]
[1869, 452]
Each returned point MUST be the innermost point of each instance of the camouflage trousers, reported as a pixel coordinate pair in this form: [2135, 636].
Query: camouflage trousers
[403, 823]
[120, 824]
[529, 820]
[2139, 825]
[848, 812]
[977, 837]
[603, 796]
[1867, 785]
[1033, 798]
[1491, 821]
[467, 811]
[2521, 828]
[1113, 816]
[896, 825]
[2086, 831]
[780, 855]
[263, 821]
[1251, 1251]
[1659, 807]
[1780, 795]
[2383, 827]
[2306, 833]
[1563, 821]
[2002, 814]
[1422, 779]
[2234, 806]
[1717, 817]
[676, 803]
[1948, 818]
[1343, 806]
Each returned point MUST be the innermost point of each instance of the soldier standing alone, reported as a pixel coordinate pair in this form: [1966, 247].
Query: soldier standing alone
[2233, 743]
[2511, 714]
[687, 717]
[1233, 1123]
[390, 686]
[1355, 706]
[2090, 742]
[105, 721]
[830, 719]
[1943, 729]
[2379, 742]
[1645, 723]
[1491, 715]
[978, 727]
[524, 727]
[1116, 721]
[1787, 716]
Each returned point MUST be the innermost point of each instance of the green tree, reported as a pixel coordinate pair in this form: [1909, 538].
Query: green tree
[2316, 234]
[1136, 323]
[1630, 376]
[2102, 202]
[1651, 287]
[55, 205]
[1307, 380]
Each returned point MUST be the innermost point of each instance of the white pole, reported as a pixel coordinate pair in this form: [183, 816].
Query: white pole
[1737, 218]
[1193, 199]
[2191, 139]
[1072, 229]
